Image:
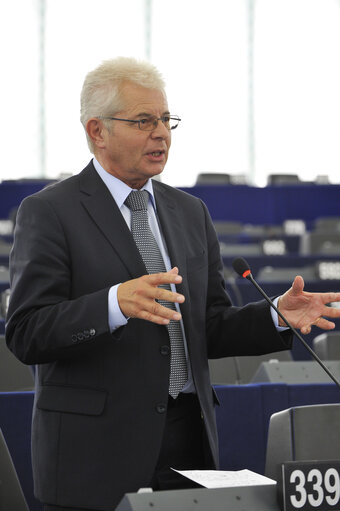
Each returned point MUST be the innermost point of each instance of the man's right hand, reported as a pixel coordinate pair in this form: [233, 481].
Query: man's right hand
[137, 297]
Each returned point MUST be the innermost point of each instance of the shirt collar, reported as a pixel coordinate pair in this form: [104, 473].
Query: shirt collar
[117, 188]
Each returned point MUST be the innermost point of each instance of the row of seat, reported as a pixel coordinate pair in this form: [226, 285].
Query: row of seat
[223, 178]
[279, 366]
[289, 238]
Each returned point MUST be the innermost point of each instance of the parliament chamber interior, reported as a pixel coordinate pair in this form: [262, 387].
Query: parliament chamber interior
[282, 230]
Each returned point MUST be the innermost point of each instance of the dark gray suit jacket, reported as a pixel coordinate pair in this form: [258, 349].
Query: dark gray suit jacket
[100, 403]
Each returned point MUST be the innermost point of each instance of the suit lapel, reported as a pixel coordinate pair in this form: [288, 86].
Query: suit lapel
[104, 211]
[172, 227]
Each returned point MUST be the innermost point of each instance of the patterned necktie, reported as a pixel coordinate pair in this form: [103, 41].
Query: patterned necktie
[146, 243]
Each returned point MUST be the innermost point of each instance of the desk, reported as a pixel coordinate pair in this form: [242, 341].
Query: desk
[243, 417]
[242, 421]
[270, 205]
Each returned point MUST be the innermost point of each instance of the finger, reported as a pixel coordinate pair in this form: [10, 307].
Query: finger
[297, 286]
[160, 293]
[153, 318]
[330, 297]
[305, 330]
[152, 292]
[156, 279]
[158, 313]
[155, 312]
[331, 312]
[142, 304]
[324, 324]
[321, 323]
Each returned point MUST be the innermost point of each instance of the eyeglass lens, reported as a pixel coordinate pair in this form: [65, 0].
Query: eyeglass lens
[151, 123]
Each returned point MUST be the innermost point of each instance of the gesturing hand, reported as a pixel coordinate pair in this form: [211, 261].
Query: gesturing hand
[137, 297]
[303, 309]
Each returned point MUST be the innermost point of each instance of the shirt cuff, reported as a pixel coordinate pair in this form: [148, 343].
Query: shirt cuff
[116, 317]
[275, 317]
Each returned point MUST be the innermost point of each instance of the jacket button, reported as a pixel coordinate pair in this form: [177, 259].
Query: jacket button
[161, 408]
[165, 350]
[74, 338]
[80, 336]
[92, 332]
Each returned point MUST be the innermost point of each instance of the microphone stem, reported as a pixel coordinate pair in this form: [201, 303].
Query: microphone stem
[314, 355]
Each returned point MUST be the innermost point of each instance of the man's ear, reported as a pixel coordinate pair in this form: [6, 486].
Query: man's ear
[95, 130]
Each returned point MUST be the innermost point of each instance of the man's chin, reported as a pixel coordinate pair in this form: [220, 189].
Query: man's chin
[155, 171]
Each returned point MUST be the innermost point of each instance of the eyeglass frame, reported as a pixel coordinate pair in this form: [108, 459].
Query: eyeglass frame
[138, 121]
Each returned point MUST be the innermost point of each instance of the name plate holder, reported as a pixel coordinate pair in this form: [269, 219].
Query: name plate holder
[309, 485]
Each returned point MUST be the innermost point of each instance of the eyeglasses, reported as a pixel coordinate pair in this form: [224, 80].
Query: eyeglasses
[150, 123]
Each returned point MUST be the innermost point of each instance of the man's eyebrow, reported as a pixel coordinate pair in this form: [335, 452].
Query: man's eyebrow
[147, 114]
[144, 114]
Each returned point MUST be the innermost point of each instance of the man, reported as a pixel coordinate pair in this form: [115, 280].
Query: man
[123, 390]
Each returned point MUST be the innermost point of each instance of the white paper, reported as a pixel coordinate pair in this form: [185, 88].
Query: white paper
[225, 478]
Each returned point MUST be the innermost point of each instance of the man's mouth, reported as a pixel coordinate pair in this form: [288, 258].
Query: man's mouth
[156, 156]
[156, 153]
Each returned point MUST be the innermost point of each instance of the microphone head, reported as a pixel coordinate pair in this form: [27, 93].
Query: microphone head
[241, 267]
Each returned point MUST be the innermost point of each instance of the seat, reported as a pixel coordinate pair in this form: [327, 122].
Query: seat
[270, 274]
[221, 178]
[283, 179]
[14, 375]
[4, 301]
[11, 494]
[240, 370]
[4, 274]
[323, 243]
[213, 178]
[225, 227]
[5, 247]
[6, 228]
[329, 224]
[235, 249]
[296, 372]
[302, 433]
[327, 345]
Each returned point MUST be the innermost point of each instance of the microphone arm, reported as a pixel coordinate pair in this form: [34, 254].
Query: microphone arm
[246, 273]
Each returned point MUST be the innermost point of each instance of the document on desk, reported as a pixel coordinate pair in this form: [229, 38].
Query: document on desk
[225, 478]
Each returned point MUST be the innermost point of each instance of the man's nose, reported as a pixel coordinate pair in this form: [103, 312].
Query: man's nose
[160, 131]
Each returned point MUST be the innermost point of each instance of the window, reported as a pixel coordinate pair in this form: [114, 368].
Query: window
[255, 82]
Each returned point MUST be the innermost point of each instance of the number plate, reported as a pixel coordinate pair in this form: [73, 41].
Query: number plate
[310, 485]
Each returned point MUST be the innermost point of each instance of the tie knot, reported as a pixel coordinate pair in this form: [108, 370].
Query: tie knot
[137, 200]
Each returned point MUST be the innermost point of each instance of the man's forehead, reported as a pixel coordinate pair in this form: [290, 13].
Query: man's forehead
[143, 99]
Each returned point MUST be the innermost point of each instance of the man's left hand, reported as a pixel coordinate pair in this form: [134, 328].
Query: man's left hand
[303, 309]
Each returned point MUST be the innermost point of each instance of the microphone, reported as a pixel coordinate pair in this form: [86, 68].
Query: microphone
[241, 267]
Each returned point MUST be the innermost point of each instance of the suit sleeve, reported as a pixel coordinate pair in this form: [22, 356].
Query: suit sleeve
[45, 322]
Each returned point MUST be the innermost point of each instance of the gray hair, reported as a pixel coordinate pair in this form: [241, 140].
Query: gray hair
[101, 92]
